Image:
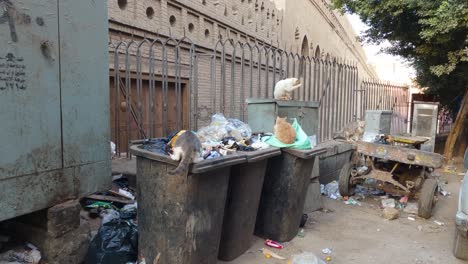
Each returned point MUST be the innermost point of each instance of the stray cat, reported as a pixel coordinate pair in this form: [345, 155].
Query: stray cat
[284, 88]
[186, 147]
[284, 131]
[353, 131]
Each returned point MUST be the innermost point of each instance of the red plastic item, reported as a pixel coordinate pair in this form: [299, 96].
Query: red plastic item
[273, 244]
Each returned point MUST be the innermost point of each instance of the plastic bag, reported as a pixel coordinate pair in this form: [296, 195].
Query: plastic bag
[332, 190]
[238, 129]
[115, 243]
[220, 128]
[302, 140]
[306, 258]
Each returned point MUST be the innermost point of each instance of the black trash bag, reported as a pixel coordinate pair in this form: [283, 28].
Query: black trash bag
[115, 243]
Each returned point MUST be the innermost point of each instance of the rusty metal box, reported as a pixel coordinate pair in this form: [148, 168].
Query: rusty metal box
[54, 103]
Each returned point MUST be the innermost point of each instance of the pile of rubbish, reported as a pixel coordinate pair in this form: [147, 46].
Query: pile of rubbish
[27, 254]
[116, 241]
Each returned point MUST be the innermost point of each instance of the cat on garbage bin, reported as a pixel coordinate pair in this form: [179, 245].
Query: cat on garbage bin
[186, 147]
[284, 131]
[284, 88]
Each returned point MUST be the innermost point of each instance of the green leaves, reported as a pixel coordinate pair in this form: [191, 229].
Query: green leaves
[431, 34]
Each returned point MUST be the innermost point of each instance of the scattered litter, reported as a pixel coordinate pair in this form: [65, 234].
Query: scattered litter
[439, 223]
[352, 201]
[268, 254]
[327, 251]
[301, 233]
[328, 258]
[126, 194]
[450, 168]
[420, 228]
[331, 190]
[411, 208]
[411, 218]
[307, 258]
[388, 203]
[273, 244]
[442, 191]
[28, 254]
[390, 213]
[404, 199]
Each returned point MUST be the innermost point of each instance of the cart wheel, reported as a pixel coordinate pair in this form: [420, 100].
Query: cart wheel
[344, 185]
[427, 198]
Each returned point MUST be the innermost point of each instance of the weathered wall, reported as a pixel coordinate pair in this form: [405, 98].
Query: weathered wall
[324, 31]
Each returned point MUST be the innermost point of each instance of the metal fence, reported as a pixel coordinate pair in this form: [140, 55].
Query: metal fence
[379, 95]
[162, 85]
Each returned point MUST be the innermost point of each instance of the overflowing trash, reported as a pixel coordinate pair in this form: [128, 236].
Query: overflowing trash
[27, 254]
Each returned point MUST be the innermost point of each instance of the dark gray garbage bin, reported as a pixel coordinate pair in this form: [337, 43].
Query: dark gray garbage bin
[245, 187]
[181, 217]
[284, 192]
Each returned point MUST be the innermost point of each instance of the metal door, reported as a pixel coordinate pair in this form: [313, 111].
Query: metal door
[30, 132]
[425, 123]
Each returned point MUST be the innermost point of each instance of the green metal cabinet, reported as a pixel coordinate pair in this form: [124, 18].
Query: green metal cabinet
[54, 103]
[262, 114]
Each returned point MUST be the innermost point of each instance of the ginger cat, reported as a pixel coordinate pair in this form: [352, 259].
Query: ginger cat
[284, 131]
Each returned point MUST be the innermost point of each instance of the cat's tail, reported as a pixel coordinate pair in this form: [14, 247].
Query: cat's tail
[183, 167]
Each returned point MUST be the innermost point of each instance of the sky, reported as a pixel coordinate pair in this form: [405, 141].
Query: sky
[388, 67]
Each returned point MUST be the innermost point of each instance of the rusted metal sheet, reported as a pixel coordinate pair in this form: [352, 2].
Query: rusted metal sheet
[400, 154]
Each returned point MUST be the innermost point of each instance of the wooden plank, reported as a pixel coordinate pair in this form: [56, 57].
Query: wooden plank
[107, 198]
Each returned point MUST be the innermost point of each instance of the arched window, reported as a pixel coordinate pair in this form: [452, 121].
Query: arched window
[304, 53]
[317, 52]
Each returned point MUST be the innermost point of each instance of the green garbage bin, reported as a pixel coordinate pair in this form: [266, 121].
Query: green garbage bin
[245, 187]
[284, 192]
[181, 217]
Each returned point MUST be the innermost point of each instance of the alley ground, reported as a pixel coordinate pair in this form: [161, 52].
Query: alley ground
[358, 234]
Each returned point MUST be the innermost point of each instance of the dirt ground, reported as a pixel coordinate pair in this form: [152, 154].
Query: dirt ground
[358, 234]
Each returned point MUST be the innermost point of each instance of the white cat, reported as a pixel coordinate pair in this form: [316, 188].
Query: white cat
[284, 88]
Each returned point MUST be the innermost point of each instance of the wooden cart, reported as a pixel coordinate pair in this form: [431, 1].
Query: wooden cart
[399, 169]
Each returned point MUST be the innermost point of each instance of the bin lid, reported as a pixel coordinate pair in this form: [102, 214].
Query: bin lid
[258, 155]
[290, 103]
[198, 167]
[305, 153]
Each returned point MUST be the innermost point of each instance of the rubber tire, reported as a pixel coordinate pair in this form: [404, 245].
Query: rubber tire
[460, 245]
[344, 186]
[426, 198]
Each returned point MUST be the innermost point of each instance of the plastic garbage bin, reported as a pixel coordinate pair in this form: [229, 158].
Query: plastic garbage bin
[245, 188]
[181, 217]
[284, 192]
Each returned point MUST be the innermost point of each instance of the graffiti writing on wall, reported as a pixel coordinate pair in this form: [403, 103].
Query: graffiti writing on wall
[12, 73]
